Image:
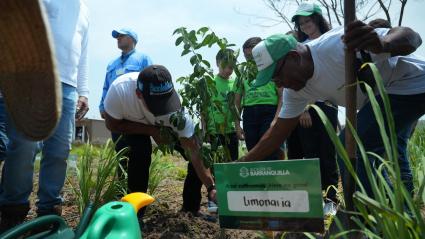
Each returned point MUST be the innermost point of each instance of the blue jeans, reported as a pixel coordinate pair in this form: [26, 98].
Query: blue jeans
[18, 169]
[256, 121]
[3, 137]
[406, 110]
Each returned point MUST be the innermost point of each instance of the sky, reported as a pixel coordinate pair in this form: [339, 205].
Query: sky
[155, 22]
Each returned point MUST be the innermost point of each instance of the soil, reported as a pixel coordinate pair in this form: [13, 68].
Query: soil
[163, 219]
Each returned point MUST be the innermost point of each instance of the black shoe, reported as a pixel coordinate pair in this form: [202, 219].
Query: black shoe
[12, 215]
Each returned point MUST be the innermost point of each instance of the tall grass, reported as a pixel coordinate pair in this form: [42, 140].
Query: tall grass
[161, 168]
[96, 173]
[389, 212]
[417, 159]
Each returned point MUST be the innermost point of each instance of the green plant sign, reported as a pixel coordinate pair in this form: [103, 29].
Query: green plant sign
[270, 195]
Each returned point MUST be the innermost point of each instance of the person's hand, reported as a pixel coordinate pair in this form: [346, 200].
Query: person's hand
[305, 120]
[212, 196]
[240, 133]
[360, 36]
[82, 107]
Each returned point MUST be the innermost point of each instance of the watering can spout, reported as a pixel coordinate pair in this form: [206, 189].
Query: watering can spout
[138, 200]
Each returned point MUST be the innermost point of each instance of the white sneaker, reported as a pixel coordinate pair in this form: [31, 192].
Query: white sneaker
[330, 209]
[212, 207]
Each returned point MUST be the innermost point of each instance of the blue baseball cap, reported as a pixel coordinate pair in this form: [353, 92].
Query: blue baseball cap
[125, 31]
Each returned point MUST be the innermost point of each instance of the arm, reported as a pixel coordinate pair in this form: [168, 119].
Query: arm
[272, 139]
[239, 130]
[104, 92]
[82, 80]
[398, 41]
[192, 150]
[279, 92]
[82, 75]
[129, 127]
[401, 41]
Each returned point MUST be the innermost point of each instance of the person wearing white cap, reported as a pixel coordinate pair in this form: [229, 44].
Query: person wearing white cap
[69, 22]
[316, 71]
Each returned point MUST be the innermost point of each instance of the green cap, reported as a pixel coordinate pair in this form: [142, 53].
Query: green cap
[268, 52]
[307, 9]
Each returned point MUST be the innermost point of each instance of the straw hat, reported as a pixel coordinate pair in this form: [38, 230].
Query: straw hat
[29, 81]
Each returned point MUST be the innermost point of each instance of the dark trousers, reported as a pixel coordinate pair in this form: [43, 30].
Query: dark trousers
[192, 190]
[139, 160]
[137, 167]
[138, 163]
[229, 142]
[193, 185]
[256, 121]
[406, 110]
[314, 142]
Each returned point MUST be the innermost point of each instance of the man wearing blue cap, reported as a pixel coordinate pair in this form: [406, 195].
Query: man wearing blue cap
[130, 60]
[315, 71]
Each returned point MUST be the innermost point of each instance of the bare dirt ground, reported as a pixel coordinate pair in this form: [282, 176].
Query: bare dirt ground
[163, 218]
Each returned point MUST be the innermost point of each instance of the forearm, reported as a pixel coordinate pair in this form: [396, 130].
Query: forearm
[272, 139]
[238, 108]
[279, 106]
[192, 151]
[401, 41]
[130, 127]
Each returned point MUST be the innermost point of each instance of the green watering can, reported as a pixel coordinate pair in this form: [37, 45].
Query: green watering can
[114, 220]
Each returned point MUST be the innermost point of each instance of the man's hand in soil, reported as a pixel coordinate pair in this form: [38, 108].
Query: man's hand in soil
[212, 196]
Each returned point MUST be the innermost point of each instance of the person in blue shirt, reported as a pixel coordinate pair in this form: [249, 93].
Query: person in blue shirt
[130, 60]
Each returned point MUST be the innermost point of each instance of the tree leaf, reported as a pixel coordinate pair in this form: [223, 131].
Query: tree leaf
[202, 30]
[185, 52]
[179, 40]
[193, 60]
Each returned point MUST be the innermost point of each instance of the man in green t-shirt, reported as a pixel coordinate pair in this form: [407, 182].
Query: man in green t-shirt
[260, 105]
[220, 125]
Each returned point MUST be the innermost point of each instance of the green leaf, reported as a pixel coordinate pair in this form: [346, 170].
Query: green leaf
[179, 30]
[207, 40]
[202, 30]
[194, 60]
[186, 46]
[192, 36]
[179, 40]
[206, 63]
[185, 52]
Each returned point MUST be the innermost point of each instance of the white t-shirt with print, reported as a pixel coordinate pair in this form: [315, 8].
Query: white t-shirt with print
[402, 75]
[122, 103]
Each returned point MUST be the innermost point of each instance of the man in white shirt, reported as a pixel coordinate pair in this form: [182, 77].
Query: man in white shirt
[69, 23]
[315, 71]
[140, 106]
